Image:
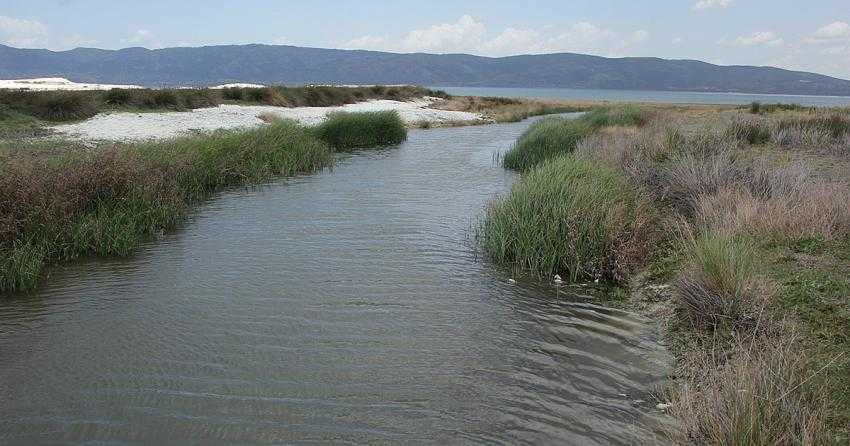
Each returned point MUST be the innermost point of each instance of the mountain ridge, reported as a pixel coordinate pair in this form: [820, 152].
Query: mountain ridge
[275, 64]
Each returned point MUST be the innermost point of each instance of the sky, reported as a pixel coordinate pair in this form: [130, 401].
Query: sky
[808, 35]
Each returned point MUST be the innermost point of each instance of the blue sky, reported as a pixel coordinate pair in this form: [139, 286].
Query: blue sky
[811, 35]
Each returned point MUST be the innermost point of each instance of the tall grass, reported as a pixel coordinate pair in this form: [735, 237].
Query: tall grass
[556, 136]
[760, 396]
[347, 131]
[545, 139]
[571, 217]
[624, 115]
[108, 202]
[719, 285]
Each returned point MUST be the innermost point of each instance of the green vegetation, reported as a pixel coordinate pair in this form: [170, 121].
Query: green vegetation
[545, 139]
[347, 131]
[57, 205]
[573, 218]
[555, 136]
[622, 116]
[754, 238]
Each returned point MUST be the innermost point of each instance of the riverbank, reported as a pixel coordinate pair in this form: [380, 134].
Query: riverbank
[58, 204]
[730, 227]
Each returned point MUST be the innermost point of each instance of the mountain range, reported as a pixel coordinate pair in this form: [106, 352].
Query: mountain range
[278, 64]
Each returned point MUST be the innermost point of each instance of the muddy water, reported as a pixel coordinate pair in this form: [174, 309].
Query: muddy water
[344, 307]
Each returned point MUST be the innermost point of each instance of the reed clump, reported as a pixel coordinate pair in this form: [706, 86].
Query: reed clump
[571, 217]
[555, 136]
[347, 131]
[545, 139]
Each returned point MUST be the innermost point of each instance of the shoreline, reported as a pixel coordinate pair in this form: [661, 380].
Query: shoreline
[129, 126]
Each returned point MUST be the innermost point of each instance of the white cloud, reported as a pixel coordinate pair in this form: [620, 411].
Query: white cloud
[468, 35]
[766, 38]
[23, 33]
[832, 33]
[677, 41]
[702, 5]
[144, 38]
[447, 37]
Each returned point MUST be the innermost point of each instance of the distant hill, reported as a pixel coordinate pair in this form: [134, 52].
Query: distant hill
[269, 64]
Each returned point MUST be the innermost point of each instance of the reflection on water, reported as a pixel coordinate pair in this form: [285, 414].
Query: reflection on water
[345, 307]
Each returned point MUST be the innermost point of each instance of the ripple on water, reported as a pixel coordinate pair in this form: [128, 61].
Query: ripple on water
[345, 307]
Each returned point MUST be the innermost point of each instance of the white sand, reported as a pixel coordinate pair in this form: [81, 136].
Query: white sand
[142, 126]
[55, 83]
[222, 87]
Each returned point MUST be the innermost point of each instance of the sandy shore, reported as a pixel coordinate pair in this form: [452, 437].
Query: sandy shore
[55, 83]
[141, 126]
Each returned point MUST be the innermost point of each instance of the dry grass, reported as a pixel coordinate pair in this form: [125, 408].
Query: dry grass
[759, 394]
[814, 210]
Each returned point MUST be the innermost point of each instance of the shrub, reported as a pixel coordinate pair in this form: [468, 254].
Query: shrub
[360, 130]
[118, 96]
[56, 105]
[719, 286]
[161, 99]
[545, 139]
[572, 217]
[233, 93]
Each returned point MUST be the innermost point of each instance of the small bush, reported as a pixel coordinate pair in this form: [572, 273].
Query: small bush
[118, 97]
[233, 93]
[55, 105]
[544, 140]
[162, 99]
[571, 217]
[719, 286]
[347, 131]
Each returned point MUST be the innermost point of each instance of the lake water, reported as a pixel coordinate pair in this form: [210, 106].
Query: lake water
[346, 307]
[673, 97]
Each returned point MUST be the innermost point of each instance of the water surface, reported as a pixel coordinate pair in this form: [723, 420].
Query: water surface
[346, 307]
[670, 97]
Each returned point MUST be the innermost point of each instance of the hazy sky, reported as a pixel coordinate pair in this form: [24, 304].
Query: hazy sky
[811, 35]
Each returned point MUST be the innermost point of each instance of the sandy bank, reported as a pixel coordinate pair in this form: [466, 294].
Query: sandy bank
[140, 126]
[55, 83]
